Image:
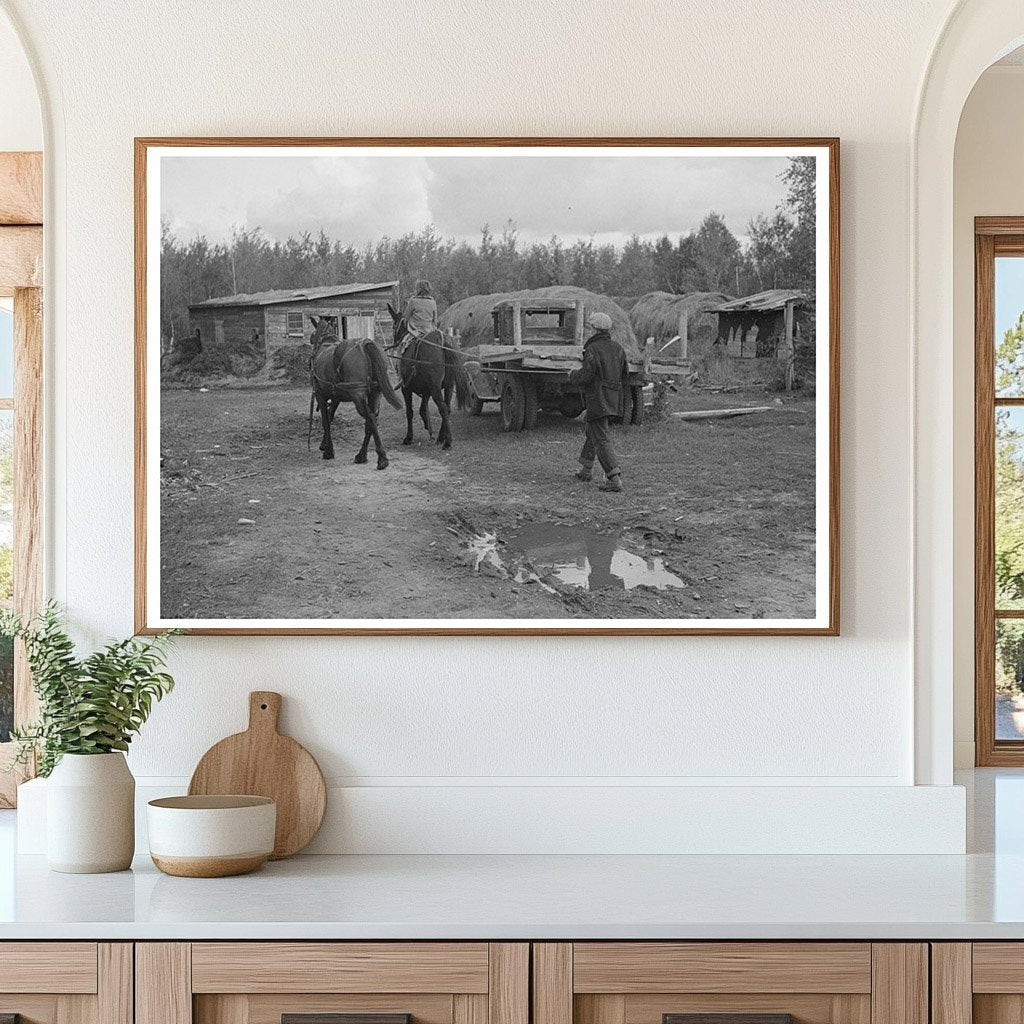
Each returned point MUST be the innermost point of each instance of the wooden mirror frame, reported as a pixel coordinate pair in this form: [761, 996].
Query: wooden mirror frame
[21, 273]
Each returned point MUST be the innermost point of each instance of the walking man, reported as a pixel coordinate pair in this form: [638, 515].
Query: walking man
[603, 375]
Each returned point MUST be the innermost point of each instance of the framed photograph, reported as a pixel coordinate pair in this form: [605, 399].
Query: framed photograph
[487, 385]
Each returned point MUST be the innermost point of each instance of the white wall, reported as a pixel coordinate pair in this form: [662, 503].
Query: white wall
[987, 181]
[453, 712]
[21, 127]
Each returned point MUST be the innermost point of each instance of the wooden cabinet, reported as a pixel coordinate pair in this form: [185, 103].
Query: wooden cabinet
[751, 982]
[494, 983]
[978, 983]
[308, 982]
[66, 982]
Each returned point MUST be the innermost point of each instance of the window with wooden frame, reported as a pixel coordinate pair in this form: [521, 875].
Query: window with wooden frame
[999, 490]
[21, 366]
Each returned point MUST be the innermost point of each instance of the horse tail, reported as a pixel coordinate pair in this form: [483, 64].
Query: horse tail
[379, 371]
[458, 365]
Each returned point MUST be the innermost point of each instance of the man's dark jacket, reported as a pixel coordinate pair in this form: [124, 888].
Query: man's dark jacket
[603, 375]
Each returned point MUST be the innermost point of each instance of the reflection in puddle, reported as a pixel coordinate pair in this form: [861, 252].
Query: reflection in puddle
[579, 557]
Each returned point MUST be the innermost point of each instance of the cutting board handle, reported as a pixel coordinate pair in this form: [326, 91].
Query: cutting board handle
[264, 710]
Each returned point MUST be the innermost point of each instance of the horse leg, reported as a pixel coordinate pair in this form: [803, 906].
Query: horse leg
[374, 408]
[327, 445]
[444, 438]
[363, 409]
[425, 416]
[407, 394]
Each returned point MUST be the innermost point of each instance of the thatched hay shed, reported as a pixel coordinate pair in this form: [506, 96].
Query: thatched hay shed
[659, 315]
[472, 317]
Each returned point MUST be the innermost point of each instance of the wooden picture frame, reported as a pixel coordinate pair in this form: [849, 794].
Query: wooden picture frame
[825, 620]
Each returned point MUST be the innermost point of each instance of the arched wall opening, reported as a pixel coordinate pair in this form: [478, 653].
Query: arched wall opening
[989, 153]
[976, 34]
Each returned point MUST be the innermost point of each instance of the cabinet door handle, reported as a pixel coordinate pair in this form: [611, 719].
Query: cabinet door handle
[337, 1018]
[727, 1018]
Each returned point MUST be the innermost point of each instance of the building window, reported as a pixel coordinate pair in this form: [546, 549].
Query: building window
[294, 325]
[999, 491]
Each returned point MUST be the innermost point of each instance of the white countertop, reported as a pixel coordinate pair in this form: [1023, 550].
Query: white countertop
[977, 896]
[516, 897]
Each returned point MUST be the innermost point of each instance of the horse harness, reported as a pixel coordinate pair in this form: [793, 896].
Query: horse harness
[332, 388]
[414, 340]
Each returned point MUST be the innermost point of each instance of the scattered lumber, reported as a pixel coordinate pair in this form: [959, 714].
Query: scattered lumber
[719, 414]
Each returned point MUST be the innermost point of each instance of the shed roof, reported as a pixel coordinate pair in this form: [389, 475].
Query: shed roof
[285, 295]
[762, 302]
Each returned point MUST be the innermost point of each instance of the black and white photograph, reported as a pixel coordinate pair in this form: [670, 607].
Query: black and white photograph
[547, 386]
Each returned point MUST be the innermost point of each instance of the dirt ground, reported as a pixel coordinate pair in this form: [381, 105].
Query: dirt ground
[255, 526]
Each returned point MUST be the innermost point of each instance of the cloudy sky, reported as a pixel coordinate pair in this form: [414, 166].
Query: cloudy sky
[359, 198]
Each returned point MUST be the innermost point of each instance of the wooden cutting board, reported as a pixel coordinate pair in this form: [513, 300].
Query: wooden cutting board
[262, 762]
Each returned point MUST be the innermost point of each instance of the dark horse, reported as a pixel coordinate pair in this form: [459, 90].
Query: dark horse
[431, 369]
[350, 371]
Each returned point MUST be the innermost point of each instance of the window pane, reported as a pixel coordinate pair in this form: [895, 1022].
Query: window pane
[6, 353]
[6, 563]
[1009, 532]
[1009, 679]
[1009, 320]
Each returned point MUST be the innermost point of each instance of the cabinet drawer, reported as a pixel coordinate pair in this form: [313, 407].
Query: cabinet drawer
[340, 967]
[66, 982]
[332, 983]
[65, 967]
[634, 967]
[730, 983]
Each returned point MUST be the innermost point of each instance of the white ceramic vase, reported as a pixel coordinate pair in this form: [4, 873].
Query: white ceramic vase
[90, 814]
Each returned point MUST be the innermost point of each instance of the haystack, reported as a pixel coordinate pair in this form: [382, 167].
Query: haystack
[658, 314]
[472, 317]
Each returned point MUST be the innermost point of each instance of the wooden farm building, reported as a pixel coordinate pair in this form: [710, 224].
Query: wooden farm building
[764, 325]
[258, 324]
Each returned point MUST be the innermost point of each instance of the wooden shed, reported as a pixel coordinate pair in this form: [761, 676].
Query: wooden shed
[256, 325]
[764, 325]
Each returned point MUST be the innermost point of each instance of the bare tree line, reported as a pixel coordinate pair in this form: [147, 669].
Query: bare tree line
[778, 252]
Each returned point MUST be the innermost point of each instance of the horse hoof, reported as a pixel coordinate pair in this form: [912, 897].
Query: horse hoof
[328, 455]
[383, 463]
[406, 440]
[359, 460]
[447, 445]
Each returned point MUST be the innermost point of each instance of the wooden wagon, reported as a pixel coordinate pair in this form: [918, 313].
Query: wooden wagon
[537, 345]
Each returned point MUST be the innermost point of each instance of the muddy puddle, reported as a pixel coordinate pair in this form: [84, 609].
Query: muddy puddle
[575, 556]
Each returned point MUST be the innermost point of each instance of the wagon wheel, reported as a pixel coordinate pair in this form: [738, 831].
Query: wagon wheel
[530, 403]
[476, 404]
[571, 406]
[636, 401]
[513, 404]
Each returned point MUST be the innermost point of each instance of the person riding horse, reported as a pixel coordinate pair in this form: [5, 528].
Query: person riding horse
[420, 313]
[428, 364]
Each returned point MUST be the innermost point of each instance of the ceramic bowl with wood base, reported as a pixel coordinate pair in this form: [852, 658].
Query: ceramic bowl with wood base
[211, 836]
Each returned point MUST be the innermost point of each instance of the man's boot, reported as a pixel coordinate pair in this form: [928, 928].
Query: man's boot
[613, 484]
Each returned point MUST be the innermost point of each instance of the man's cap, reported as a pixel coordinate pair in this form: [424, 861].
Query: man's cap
[600, 321]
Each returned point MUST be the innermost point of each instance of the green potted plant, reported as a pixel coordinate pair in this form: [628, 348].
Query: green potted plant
[90, 708]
